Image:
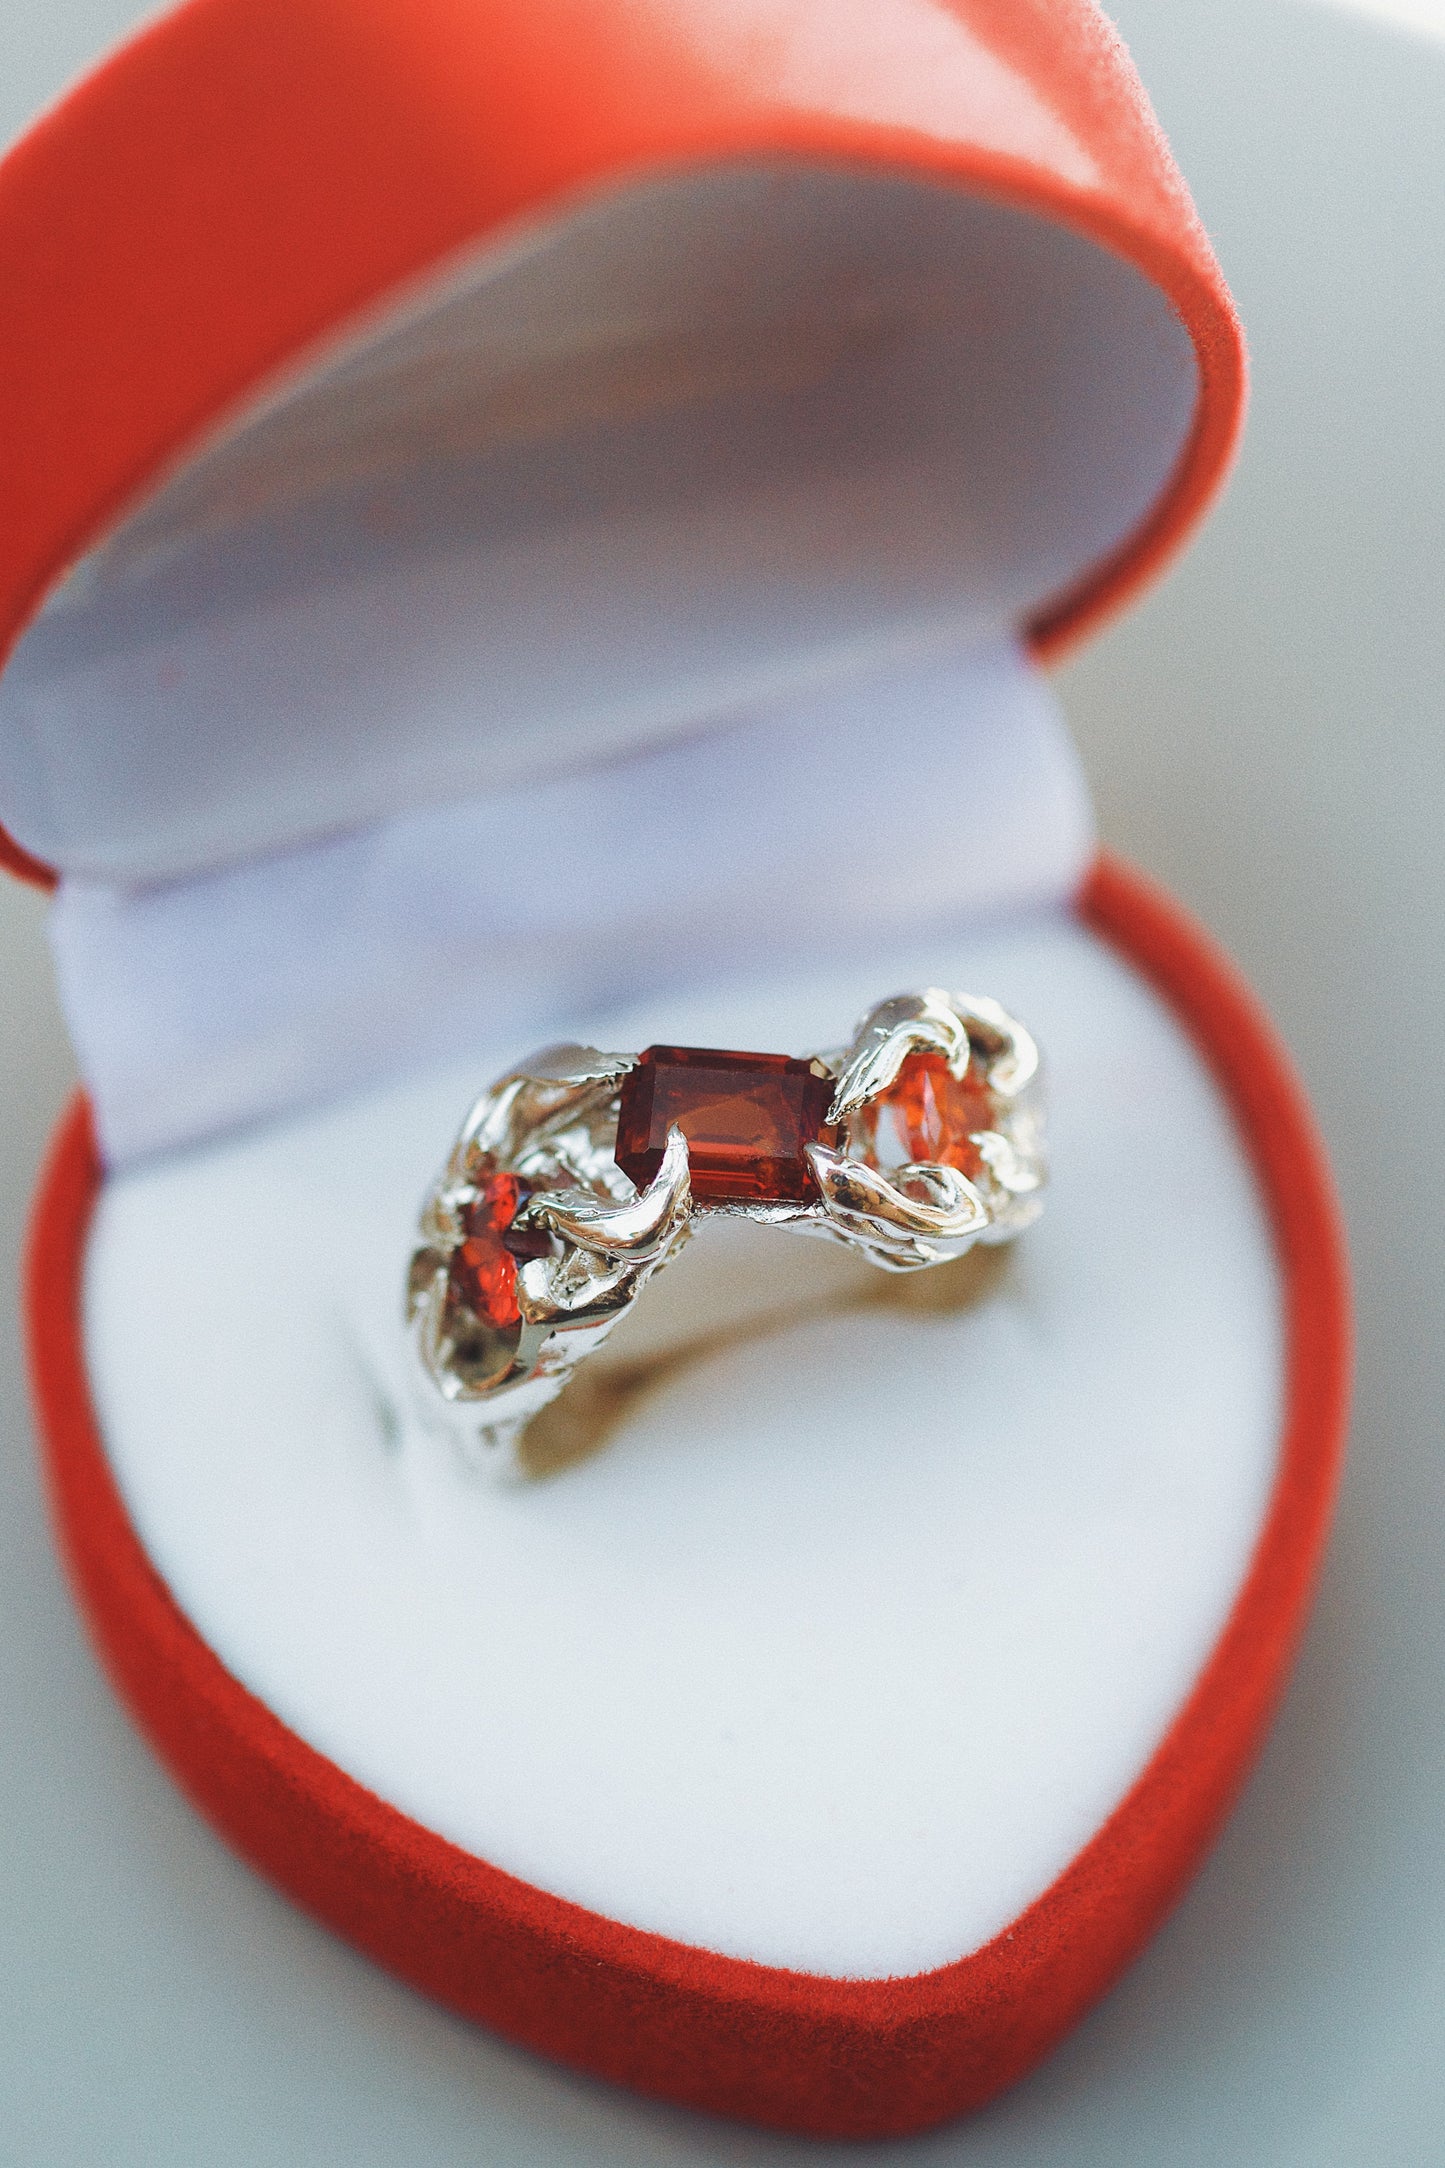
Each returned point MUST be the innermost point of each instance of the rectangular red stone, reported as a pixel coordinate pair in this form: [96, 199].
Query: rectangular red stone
[746, 1118]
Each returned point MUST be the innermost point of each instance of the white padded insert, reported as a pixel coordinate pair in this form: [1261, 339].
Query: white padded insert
[719, 436]
[938, 791]
[840, 1651]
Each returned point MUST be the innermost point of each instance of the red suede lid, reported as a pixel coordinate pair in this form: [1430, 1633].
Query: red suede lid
[248, 176]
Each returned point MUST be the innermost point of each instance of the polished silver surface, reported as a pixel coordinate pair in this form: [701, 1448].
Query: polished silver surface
[552, 1122]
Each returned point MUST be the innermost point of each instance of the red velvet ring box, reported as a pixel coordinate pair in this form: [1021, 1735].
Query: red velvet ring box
[540, 521]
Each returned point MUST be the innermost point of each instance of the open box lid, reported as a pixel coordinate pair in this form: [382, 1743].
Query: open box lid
[403, 403]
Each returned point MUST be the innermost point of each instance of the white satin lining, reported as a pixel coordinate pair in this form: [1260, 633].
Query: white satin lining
[846, 1645]
[938, 790]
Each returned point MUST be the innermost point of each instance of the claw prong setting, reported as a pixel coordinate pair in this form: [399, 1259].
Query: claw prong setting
[534, 1241]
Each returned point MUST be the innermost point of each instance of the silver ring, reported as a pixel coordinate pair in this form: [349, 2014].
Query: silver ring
[579, 1175]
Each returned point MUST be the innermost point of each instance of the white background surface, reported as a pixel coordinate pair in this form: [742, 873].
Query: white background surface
[1267, 734]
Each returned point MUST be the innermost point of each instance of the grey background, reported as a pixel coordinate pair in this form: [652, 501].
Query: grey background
[1265, 734]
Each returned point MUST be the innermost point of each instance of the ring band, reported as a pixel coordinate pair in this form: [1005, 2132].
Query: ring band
[580, 1174]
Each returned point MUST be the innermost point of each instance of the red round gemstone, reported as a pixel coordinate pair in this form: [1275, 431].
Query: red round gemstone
[484, 1280]
[484, 1264]
[928, 1113]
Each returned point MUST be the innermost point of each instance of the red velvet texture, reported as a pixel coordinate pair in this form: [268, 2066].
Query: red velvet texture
[824, 2056]
[247, 177]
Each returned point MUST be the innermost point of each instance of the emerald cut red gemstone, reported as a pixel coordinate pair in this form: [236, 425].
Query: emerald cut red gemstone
[747, 1118]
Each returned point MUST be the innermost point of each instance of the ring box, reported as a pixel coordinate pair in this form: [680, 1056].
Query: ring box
[545, 523]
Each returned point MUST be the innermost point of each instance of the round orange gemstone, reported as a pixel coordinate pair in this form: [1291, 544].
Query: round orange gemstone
[927, 1113]
[484, 1264]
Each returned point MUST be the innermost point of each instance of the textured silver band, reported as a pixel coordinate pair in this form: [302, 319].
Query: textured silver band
[581, 1241]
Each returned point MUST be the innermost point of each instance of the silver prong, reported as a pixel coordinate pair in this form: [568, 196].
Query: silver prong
[1013, 1056]
[904, 1024]
[872, 1202]
[632, 1230]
